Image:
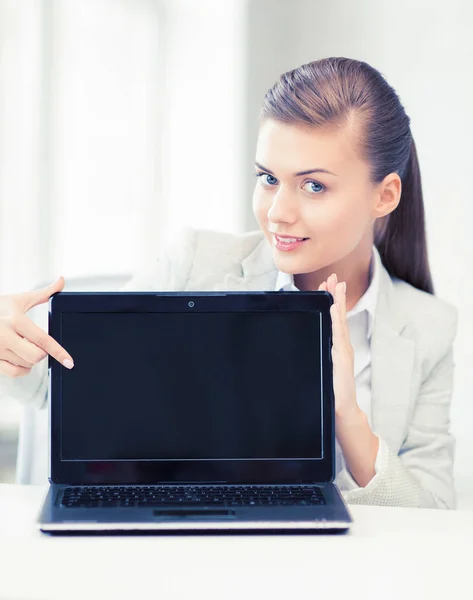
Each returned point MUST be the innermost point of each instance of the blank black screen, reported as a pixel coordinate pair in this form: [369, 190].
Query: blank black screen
[167, 386]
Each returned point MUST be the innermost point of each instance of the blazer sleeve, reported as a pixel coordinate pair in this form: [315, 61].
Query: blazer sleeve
[169, 271]
[421, 473]
[31, 388]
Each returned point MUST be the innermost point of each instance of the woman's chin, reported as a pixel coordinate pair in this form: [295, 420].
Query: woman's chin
[290, 264]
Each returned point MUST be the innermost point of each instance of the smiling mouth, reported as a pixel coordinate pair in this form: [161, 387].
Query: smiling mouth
[288, 240]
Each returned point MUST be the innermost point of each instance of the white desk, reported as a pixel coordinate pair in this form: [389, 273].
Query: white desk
[391, 553]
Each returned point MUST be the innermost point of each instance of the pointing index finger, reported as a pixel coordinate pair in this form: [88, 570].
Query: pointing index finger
[28, 329]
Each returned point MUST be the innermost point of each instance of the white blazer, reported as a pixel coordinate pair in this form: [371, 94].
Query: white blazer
[412, 361]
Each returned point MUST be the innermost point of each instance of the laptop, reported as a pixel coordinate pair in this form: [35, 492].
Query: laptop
[192, 411]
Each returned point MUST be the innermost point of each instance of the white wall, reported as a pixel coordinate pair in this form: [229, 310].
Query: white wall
[21, 256]
[120, 123]
[103, 111]
[425, 51]
[204, 115]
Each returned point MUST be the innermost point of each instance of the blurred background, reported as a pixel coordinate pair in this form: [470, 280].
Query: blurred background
[122, 121]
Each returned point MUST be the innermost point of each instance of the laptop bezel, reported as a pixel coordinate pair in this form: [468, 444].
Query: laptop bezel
[153, 472]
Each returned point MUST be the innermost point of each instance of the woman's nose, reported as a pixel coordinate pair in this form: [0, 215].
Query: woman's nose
[283, 209]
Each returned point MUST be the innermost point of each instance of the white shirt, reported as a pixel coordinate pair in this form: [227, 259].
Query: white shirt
[360, 325]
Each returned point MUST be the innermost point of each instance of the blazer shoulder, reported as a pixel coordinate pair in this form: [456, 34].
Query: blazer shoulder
[219, 253]
[195, 258]
[232, 246]
[431, 320]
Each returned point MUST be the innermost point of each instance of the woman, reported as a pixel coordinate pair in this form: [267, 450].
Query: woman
[339, 202]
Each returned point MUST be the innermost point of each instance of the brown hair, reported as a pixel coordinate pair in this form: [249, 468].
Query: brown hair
[332, 91]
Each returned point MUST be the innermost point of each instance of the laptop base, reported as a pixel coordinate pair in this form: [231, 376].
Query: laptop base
[331, 517]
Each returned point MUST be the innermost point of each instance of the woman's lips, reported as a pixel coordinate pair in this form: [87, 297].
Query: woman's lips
[287, 244]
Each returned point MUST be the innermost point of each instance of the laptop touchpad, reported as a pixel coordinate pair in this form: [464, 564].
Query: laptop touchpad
[194, 513]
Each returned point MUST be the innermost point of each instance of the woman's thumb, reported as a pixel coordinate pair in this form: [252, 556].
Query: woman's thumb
[43, 294]
[56, 286]
[59, 279]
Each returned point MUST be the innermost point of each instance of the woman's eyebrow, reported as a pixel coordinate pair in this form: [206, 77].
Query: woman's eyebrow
[300, 172]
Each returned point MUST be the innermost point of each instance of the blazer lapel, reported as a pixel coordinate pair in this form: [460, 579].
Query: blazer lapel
[392, 364]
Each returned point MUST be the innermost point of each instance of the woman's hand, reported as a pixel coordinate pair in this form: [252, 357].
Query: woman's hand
[357, 441]
[22, 342]
[342, 351]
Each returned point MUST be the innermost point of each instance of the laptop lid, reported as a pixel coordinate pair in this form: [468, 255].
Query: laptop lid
[180, 387]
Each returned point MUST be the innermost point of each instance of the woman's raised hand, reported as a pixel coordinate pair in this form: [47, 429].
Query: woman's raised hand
[22, 342]
[344, 386]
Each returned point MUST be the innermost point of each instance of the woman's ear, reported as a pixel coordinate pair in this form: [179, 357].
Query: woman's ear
[388, 196]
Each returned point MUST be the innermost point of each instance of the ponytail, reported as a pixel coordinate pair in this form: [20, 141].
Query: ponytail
[400, 235]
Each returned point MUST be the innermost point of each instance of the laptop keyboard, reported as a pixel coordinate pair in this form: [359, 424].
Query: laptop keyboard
[220, 495]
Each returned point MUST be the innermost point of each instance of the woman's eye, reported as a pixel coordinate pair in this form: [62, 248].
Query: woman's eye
[266, 175]
[270, 180]
[317, 187]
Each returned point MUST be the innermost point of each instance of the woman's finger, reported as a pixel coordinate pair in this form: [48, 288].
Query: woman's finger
[340, 299]
[337, 331]
[332, 285]
[39, 339]
[26, 350]
[340, 316]
[332, 282]
[14, 359]
[344, 302]
[342, 350]
[10, 370]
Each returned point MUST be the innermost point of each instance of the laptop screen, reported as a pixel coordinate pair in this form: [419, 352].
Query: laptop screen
[191, 386]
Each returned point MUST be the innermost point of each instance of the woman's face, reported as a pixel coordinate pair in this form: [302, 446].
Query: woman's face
[331, 209]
